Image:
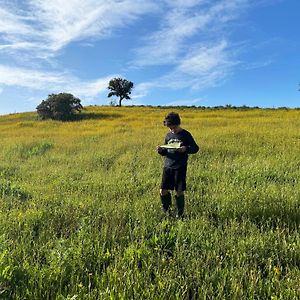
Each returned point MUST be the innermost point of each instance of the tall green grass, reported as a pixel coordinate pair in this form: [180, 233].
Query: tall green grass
[80, 215]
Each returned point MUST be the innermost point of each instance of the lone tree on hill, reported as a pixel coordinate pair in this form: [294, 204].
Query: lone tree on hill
[121, 88]
[60, 107]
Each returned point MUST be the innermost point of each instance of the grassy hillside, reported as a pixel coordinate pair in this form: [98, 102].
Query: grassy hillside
[80, 215]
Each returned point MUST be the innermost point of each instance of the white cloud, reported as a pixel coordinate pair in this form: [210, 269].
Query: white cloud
[183, 22]
[258, 64]
[48, 26]
[165, 46]
[191, 40]
[202, 68]
[203, 60]
[89, 89]
[183, 102]
[13, 76]
[134, 102]
[184, 3]
[20, 46]
[40, 29]
[142, 89]
[52, 82]
[12, 25]
[193, 43]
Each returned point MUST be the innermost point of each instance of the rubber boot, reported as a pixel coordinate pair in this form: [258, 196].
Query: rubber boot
[180, 206]
[166, 202]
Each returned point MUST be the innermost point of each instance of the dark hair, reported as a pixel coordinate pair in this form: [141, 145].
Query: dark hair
[172, 119]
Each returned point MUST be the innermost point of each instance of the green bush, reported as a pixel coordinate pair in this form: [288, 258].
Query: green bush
[62, 107]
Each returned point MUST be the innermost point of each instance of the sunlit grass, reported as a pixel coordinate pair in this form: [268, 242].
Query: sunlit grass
[80, 215]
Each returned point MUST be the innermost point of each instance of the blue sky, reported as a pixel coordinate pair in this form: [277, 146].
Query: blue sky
[177, 52]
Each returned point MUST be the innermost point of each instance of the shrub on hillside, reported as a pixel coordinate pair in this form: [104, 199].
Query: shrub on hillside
[62, 106]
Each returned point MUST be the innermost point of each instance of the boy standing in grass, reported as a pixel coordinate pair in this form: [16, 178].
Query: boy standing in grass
[179, 143]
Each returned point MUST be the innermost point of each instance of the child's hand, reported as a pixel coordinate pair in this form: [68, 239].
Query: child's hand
[182, 149]
[159, 149]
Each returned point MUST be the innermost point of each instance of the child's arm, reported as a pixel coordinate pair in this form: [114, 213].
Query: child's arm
[192, 146]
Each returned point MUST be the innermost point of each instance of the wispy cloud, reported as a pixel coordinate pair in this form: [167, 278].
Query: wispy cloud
[202, 60]
[89, 89]
[184, 3]
[34, 79]
[258, 64]
[193, 43]
[141, 90]
[204, 67]
[35, 31]
[52, 82]
[183, 22]
[186, 102]
[13, 25]
[48, 26]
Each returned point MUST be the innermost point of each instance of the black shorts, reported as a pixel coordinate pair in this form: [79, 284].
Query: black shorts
[174, 179]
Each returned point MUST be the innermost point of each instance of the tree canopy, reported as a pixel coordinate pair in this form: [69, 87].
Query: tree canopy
[60, 106]
[121, 88]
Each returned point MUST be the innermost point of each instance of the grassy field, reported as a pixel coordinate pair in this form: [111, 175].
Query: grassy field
[80, 214]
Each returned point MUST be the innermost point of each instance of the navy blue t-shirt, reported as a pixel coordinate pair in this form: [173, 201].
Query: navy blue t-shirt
[175, 159]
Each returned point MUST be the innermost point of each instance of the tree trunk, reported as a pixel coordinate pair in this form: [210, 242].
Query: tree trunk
[120, 101]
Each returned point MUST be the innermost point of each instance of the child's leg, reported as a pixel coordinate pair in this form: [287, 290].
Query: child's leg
[167, 183]
[180, 203]
[180, 187]
[165, 198]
